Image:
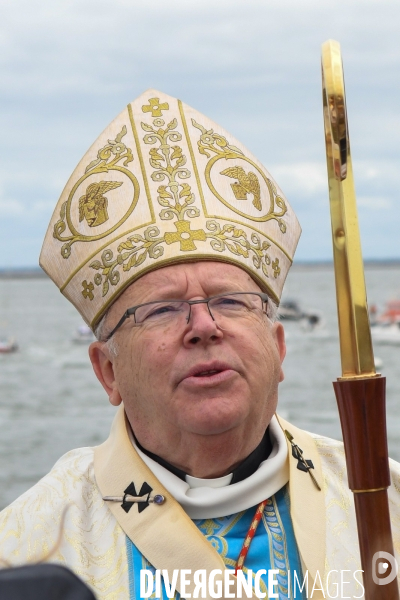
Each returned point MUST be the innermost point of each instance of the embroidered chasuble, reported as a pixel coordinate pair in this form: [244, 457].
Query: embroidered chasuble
[273, 547]
[195, 528]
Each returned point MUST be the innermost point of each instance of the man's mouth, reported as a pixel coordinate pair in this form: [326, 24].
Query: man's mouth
[207, 373]
[213, 372]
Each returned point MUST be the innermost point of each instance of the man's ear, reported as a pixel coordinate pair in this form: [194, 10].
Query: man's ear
[103, 367]
[279, 335]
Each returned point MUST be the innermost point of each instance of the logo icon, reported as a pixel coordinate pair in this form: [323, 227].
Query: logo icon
[381, 561]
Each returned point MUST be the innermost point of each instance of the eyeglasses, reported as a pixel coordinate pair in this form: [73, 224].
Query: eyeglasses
[166, 312]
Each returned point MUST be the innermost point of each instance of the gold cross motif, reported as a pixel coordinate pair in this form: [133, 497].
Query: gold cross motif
[155, 107]
[185, 236]
[276, 268]
[87, 291]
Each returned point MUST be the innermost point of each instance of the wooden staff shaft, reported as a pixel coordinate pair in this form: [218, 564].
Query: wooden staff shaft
[361, 406]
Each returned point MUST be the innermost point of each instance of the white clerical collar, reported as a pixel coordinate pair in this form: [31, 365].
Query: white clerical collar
[196, 482]
[210, 498]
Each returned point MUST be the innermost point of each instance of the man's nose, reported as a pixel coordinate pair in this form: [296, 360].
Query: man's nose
[201, 326]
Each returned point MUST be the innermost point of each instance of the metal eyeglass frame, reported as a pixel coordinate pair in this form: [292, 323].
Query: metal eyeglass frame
[131, 311]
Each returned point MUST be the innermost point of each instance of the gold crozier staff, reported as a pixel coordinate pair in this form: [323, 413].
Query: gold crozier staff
[360, 392]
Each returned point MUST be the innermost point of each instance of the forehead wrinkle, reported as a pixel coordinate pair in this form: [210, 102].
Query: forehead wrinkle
[154, 286]
[166, 284]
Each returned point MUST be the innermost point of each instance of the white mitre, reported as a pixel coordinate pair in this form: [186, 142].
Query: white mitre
[161, 185]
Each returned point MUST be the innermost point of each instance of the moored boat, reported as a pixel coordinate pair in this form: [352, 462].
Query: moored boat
[8, 345]
[386, 332]
[290, 310]
[385, 328]
[83, 335]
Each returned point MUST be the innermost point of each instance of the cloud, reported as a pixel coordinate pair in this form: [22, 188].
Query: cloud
[310, 178]
[68, 68]
[10, 207]
[383, 171]
[43, 206]
[374, 202]
[303, 177]
[87, 44]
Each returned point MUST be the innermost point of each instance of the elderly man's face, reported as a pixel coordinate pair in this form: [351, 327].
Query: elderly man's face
[197, 379]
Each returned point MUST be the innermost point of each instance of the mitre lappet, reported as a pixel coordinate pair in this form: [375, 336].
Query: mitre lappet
[161, 185]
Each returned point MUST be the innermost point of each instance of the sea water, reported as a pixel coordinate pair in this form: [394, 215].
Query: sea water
[51, 402]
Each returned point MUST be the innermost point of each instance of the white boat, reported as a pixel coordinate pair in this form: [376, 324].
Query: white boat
[386, 333]
[8, 345]
[385, 328]
[83, 335]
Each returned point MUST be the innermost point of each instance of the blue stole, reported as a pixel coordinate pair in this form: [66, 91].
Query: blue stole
[273, 547]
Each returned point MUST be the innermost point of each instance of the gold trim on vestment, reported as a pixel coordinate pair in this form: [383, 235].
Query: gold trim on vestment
[307, 504]
[158, 528]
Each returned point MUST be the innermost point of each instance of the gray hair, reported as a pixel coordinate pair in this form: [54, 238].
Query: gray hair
[101, 332]
[272, 311]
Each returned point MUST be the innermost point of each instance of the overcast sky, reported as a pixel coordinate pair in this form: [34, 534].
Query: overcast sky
[68, 67]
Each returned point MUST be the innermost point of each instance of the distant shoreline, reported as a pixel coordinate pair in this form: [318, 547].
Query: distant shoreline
[38, 273]
[23, 273]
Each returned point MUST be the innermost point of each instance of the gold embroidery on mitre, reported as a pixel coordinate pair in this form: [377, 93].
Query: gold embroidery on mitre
[276, 268]
[155, 107]
[185, 236]
[177, 199]
[190, 194]
[235, 240]
[247, 183]
[87, 291]
[92, 205]
[217, 147]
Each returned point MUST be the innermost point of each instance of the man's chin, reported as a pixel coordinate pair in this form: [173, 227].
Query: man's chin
[218, 418]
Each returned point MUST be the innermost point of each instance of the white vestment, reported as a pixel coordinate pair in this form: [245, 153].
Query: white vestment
[92, 538]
